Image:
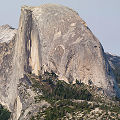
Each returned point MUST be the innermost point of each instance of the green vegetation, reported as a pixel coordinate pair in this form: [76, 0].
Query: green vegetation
[62, 98]
[60, 95]
[54, 89]
[4, 113]
[63, 107]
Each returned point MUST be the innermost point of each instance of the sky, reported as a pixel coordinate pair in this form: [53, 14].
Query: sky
[101, 16]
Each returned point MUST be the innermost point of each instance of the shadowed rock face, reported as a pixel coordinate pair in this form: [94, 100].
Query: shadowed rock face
[52, 38]
[114, 60]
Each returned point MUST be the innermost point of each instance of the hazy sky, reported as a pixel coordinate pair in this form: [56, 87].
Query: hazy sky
[102, 17]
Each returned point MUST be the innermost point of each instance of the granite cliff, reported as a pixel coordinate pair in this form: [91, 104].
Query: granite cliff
[55, 38]
[114, 62]
[50, 38]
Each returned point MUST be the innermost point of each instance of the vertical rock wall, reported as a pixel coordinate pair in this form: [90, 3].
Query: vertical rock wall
[55, 38]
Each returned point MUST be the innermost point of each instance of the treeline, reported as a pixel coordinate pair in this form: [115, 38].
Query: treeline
[55, 89]
[4, 113]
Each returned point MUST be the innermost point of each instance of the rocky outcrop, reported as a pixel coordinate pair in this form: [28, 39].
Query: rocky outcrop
[7, 33]
[50, 38]
[8, 87]
[113, 60]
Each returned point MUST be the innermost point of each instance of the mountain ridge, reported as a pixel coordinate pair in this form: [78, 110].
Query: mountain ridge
[50, 38]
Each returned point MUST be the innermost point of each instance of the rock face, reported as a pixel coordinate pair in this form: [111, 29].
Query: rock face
[51, 38]
[7, 33]
[7, 85]
[113, 60]
[55, 38]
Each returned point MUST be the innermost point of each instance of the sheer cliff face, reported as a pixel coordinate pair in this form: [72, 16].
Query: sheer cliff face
[53, 37]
